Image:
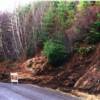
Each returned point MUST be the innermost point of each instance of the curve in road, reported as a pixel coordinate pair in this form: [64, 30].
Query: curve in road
[30, 92]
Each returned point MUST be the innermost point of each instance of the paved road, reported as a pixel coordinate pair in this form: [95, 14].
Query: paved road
[29, 92]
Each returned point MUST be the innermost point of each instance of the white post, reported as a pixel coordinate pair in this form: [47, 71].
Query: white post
[14, 77]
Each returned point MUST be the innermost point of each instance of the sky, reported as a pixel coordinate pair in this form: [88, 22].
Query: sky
[10, 5]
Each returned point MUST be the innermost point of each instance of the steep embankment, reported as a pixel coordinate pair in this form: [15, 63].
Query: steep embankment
[80, 72]
[90, 81]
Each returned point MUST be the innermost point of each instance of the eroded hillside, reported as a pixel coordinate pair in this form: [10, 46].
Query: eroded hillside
[81, 68]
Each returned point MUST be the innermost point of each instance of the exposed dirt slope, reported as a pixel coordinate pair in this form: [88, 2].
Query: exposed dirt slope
[79, 73]
[90, 81]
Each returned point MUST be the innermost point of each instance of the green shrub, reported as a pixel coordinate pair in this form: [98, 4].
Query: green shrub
[83, 5]
[56, 52]
[85, 50]
[94, 35]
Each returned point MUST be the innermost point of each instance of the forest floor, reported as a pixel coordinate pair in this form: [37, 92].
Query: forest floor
[78, 74]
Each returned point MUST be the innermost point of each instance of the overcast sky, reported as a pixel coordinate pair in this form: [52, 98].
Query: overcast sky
[10, 5]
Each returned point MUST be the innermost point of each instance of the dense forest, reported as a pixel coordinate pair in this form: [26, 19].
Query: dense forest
[59, 40]
[33, 24]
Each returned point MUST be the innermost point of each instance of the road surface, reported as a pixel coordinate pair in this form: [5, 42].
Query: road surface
[30, 92]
